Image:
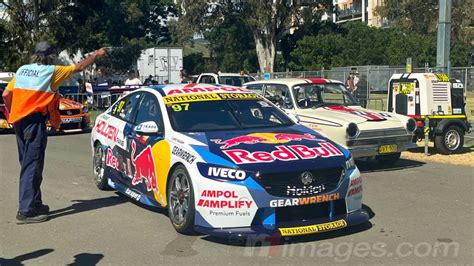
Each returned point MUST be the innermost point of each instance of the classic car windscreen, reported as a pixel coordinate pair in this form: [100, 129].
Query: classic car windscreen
[215, 115]
[317, 95]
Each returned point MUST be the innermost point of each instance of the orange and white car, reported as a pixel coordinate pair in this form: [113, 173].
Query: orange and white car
[74, 115]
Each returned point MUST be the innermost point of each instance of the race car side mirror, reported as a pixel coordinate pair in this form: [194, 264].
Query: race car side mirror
[147, 128]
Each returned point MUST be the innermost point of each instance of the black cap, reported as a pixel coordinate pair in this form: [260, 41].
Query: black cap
[44, 48]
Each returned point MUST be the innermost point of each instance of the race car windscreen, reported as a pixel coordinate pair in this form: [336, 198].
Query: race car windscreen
[218, 115]
[317, 95]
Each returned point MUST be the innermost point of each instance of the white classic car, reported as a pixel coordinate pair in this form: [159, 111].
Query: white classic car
[326, 106]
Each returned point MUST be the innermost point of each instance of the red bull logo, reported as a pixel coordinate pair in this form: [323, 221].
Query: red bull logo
[284, 153]
[144, 167]
[267, 138]
[367, 115]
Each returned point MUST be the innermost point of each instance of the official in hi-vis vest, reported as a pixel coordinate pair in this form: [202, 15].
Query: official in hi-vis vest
[29, 97]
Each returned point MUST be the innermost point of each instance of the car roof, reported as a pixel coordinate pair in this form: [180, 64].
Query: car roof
[197, 88]
[294, 81]
[227, 74]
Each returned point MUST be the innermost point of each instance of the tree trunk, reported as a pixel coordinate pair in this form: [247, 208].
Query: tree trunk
[265, 46]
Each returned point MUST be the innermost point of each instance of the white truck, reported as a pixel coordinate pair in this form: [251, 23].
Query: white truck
[233, 79]
[162, 63]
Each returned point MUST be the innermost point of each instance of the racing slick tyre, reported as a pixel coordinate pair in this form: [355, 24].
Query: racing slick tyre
[389, 159]
[450, 141]
[100, 175]
[181, 201]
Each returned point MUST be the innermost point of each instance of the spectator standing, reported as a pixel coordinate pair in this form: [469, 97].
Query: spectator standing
[183, 76]
[102, 79]
[350, 83]
[31, 97]
[149, 80]
[132, 79]
[355, 81]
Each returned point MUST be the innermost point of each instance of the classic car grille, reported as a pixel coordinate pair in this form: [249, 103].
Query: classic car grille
[379, 133]
[380, 136]
[289, 184]
[307, 212]
[70, 112]
[379, 141]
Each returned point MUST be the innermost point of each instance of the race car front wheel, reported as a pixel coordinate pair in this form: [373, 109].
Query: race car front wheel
[181, 201]
[100, 176]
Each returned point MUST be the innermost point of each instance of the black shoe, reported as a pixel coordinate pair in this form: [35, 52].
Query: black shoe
[42, 209]
[30, 218]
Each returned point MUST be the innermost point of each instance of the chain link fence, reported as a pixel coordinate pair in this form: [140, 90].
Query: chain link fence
[373, 80]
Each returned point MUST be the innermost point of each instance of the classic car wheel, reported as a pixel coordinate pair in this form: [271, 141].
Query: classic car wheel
[450, 141]
[389, 159]
[181, 201]
[100, 176]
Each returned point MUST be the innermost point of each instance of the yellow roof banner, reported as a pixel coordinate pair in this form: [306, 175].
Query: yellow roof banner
[201, 97]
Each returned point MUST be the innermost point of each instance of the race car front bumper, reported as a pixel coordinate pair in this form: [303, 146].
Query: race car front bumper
[291, 228]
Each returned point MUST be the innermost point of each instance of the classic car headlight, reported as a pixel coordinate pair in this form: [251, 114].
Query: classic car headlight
[352, 130]
[85, 110]
[411, 125]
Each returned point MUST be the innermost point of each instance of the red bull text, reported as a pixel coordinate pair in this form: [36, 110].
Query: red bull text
[283, 153]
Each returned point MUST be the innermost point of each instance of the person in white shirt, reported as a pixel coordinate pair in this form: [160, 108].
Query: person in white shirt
[132, 79]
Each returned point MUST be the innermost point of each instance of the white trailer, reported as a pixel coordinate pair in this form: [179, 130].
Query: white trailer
[161, 63]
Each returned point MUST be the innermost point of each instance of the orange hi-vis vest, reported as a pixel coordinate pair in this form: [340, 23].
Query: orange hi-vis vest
[31, 91]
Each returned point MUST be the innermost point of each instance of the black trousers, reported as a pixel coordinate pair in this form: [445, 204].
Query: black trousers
[31, 137]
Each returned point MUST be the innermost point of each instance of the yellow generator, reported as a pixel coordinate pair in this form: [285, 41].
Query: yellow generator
[436, 97]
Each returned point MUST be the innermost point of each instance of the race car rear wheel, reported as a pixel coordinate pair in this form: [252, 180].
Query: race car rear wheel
[100, 175]
[450, 141]
[181, 201]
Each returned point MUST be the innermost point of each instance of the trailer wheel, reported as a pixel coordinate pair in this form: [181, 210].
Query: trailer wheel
[450, 141]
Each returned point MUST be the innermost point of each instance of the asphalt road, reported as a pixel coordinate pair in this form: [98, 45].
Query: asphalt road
[421, 213]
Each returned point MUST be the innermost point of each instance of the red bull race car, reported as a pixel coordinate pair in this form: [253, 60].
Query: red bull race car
[225, 161]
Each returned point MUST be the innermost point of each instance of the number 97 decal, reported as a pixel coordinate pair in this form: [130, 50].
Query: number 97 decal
[180, 107]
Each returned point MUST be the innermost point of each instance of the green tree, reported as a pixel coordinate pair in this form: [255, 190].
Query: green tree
[359, 44]
[421, 17]
[86, 25]
[267, 20]
[232, 46]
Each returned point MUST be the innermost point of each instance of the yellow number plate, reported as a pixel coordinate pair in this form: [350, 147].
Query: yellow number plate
[388, 148]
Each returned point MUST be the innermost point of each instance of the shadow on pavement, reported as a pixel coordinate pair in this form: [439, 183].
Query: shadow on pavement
[372, 165]
[180, 246]
[433, 150]
[28, 256]
[86, 259]
[260, 240]
[87, 205]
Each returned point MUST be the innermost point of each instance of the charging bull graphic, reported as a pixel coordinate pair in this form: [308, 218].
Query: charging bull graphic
[269, 138]
[367, 115]
[144, 167]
